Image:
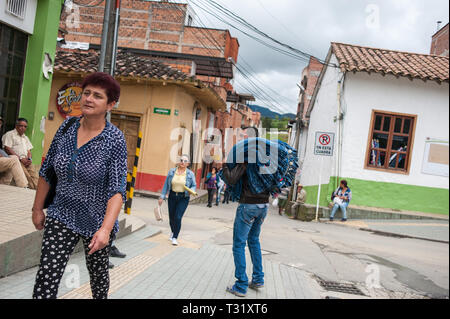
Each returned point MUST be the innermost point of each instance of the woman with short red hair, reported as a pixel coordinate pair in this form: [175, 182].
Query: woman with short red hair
[89, 156]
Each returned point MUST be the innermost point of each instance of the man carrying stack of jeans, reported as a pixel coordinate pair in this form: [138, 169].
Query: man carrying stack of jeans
[256, 168]
[250, 216]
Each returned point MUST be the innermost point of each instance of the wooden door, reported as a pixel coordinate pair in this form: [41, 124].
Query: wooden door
[129, 125]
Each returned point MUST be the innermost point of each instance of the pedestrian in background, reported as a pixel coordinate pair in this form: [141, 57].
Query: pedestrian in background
[211, 185]
[175, 185]
[301, 199]
[226, 195]
[220, 187]
[341, 198]
[89, 156]
[282, 200]
[16, 143]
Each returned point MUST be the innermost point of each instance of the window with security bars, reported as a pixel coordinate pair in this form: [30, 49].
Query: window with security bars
[390, 141]
[16, 8]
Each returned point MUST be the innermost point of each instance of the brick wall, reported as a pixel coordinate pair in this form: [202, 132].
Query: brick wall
[312, 73]
[439, 42]
[151, 25]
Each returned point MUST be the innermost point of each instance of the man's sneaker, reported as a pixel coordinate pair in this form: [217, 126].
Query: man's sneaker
[174, 242]
[114, 252]
[343, 219]
[254, 285]
[234, 292]
[331, 219]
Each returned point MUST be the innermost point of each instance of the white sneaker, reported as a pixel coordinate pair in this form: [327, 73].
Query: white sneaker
[174, 242]
[171, 237]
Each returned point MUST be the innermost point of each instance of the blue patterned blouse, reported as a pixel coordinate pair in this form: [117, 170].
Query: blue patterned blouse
[87, 177]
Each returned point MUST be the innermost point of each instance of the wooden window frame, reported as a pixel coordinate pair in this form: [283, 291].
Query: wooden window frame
[388, 149]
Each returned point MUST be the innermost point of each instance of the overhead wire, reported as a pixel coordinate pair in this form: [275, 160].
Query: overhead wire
[252, 87]
[252, 75]
[211, 7]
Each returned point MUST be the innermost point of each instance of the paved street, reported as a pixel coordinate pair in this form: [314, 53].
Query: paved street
[296, 255]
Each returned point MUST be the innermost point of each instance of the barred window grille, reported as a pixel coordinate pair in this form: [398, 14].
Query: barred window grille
[16, 8]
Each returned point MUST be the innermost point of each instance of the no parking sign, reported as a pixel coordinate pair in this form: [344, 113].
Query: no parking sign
[324, 145]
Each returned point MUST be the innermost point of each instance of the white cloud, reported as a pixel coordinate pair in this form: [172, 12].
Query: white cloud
[405, 25]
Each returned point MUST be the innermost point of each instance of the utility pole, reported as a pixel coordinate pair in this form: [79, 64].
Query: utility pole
[110, 32]
[298, 124]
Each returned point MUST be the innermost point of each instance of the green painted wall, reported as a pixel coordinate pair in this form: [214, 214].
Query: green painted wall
[36, 88]
[311, 195]
[387, 195]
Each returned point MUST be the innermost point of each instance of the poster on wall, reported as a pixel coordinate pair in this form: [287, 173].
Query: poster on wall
[436, 158]
[68, 100]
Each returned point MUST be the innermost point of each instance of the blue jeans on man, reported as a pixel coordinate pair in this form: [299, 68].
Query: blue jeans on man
[247, 228]
[343, 207]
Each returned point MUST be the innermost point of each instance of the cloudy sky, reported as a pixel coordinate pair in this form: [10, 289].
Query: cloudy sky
[310, 26]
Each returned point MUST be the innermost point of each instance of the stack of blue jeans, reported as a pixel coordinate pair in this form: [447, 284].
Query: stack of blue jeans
[271, 165]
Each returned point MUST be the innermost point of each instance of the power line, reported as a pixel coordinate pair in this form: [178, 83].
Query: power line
[280, 50]
[256, 91]
[211, 7]
[253, 75]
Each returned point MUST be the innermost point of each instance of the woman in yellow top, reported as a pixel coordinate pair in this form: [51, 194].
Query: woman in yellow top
[175, 189]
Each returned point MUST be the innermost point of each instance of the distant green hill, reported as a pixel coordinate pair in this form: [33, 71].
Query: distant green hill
[265, 112]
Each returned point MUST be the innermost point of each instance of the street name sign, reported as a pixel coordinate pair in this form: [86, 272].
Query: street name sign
[162, 111]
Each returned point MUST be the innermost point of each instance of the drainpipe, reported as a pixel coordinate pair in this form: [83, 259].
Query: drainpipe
[116, 35]
[339, 119]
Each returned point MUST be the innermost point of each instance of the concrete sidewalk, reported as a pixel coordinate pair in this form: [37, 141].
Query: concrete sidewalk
[20, 242]
[154, 269]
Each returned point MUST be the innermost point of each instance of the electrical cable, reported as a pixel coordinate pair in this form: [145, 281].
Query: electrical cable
[211, 5]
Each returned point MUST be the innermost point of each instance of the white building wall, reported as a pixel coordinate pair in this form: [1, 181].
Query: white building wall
[364, 93]
[27, 23]
[321, 120]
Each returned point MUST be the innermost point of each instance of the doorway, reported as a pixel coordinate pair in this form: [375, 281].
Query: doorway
[129, 125]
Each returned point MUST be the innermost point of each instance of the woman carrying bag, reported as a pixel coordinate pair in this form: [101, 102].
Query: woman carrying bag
[179, 184]
[88, 155]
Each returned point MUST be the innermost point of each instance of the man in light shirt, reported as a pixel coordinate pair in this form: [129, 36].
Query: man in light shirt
[16, 143]
[10, 168]
[301, 199]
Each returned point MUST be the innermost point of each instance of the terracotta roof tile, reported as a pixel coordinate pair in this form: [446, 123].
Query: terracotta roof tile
[355, 58]
[128, 65]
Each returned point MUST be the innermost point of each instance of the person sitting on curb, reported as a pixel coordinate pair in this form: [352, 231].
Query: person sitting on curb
[301, 199]
[341, 198]
[10, 168]
[15, 142]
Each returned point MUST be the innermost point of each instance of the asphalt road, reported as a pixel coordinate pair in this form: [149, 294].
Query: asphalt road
[387, 267]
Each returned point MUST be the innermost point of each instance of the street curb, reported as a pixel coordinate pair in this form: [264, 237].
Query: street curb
[382, 233]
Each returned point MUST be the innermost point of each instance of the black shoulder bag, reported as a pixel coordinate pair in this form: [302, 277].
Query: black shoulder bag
[51, 174]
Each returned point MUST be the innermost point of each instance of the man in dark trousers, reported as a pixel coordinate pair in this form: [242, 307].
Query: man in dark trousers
[250, 216]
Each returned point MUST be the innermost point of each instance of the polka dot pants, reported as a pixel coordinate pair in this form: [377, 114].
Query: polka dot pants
[57, 245]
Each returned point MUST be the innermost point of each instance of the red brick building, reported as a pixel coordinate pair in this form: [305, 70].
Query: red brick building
[164, 31]
[439, 42]
[310, 76]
